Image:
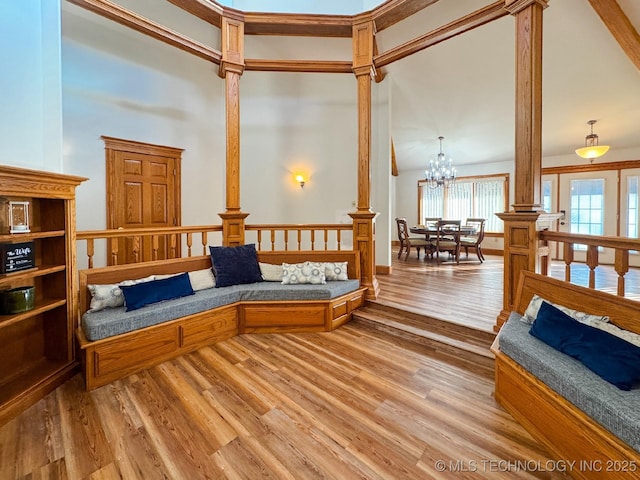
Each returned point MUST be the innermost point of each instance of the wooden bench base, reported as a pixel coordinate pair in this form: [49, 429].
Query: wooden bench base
[567, 432]
[109, 359]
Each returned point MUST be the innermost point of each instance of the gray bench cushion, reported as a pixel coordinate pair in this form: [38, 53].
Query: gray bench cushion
[616, 410]
[114, 321]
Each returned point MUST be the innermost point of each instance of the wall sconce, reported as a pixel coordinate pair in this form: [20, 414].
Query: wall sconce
[300, 179]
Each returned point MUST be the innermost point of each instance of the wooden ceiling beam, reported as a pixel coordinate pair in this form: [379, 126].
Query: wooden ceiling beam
[125, 17]
[262, 23]
[309, 66]
[469, 22]
[620, 27]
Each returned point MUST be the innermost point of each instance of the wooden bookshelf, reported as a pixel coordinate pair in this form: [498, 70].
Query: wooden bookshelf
[37, 350]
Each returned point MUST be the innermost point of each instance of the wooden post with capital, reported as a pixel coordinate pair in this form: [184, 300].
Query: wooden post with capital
[522, 250]
[231, 69]
[363, 217]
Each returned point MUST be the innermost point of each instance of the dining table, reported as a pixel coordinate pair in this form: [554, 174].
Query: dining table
[427, 231]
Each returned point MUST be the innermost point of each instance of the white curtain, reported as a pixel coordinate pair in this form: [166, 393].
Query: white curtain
[489, 199]
[432, 202]
[460, 201]
[483, 197]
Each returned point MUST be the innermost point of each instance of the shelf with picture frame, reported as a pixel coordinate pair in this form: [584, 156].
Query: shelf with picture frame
[37, 350]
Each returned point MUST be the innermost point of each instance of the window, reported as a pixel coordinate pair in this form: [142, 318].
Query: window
[632, 202]
[546, 195]
[470, 197]
[587, 206]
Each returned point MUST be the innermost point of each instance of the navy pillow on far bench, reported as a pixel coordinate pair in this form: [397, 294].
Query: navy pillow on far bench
[235, 265]
[612, 358]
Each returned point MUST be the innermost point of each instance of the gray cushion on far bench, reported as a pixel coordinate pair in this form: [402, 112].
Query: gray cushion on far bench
[617, 410]
[115, 321]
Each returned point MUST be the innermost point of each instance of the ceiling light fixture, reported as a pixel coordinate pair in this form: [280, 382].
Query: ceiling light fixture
[591, 147]
[440, 172]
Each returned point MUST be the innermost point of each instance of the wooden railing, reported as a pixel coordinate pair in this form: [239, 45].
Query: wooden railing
[304, 237]
[621, 246]
[180, 241]
[176, 237]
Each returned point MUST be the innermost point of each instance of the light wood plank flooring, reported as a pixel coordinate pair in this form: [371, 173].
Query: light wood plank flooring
[470, 293]
[353, 403]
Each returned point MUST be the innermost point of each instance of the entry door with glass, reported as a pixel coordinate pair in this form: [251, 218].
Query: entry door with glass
[590, 200]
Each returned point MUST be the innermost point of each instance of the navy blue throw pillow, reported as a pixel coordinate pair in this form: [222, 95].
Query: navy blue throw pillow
[142, 294]
[612, 358]
[235, 265]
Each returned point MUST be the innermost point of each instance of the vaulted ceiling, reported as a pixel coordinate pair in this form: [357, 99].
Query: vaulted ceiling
[463, 88]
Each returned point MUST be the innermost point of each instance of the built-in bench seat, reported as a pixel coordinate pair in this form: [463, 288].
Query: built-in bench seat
[617, 410]
[115, 343]
[115, 321]
[578, 416]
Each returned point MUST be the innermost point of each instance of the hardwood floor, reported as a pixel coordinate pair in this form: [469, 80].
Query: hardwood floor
[470, 293]
[370, 400]
[353, 403]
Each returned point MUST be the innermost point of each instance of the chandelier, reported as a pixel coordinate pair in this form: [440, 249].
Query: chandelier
[591, 147]
[440, 172]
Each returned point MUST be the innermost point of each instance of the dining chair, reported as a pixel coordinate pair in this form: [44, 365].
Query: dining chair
[406, 242]
[447, 239]
[431, 223]
[474, 240]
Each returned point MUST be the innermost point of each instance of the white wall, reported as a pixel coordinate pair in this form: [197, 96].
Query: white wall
[30, 110]
[122, 84]
[119, 83]
[381, 189]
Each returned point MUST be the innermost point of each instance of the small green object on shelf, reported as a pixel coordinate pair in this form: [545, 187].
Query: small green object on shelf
[17, 300]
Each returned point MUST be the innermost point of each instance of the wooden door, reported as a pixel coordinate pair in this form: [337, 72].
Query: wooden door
[143, 190]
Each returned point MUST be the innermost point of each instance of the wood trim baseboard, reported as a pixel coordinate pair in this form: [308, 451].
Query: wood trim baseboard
[384, 269]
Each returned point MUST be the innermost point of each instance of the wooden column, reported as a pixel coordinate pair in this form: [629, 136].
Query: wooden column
[231, 69]
[522, 249]
[528, 153]
[364, 218]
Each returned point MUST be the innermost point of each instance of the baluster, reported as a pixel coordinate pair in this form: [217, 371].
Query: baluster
[339, 239]
[135, 248]
[154, 246]
[114, 252]
[299, 239]
[172, 242]
[259, 239]
[326, 239]
[568, 260]
[286, 240]
[622, 267]
[90, 252]
[313, 239]
[544, 257]
[592, 262]
[273, 239]
[189, 243]
[204, 243]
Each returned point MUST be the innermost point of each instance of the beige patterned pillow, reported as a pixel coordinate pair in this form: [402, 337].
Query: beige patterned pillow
[307, 272]
[336, 271]
[202, 279]
[271, 272]
[531, 313]
[110, 295]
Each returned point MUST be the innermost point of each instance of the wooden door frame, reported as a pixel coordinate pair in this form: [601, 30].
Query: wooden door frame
[114, 145]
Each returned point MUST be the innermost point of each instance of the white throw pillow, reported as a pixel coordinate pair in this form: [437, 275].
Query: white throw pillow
[307, 272]
[531, 313]
[271, 272]
[336, 271]
[110, 295]
[202, 279]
